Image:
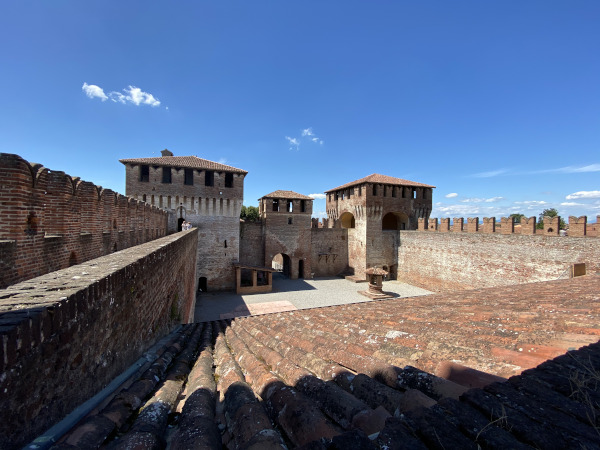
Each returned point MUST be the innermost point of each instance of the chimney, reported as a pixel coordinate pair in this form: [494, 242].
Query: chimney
[166, 152]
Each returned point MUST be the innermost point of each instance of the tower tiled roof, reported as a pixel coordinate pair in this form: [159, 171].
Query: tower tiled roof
[382, 179]
[287, 194]
[189, 162]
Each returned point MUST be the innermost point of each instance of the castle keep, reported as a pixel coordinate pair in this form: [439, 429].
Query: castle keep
[205, 193]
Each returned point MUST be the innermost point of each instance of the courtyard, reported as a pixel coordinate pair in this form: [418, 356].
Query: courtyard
[291, 295]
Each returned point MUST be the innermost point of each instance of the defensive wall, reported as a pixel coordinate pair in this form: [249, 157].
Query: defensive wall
[66, 335]
[252, 248]
[50, 220]
[475, 255]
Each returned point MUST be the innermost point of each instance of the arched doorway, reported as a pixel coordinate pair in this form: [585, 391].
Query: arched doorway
[347, 220]
[395, 221]
[282, 263]
[180, 224]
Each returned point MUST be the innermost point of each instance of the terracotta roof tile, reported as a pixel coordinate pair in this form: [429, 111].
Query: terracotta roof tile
[330, 377]
[190, 162]
[287, 194]
[381, 179]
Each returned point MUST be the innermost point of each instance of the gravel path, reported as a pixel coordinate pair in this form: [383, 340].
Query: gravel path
[302, 294]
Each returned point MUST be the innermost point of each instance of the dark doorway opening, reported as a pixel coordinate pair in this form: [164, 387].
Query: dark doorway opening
[301, 268]
[180, 224]
[202, 284]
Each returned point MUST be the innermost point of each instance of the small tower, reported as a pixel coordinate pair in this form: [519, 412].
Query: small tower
[286, 217]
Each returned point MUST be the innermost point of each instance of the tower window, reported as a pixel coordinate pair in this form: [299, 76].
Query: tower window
[228, 180]
[188, 177]
[166, 175]
[144, 173]
[209, 178]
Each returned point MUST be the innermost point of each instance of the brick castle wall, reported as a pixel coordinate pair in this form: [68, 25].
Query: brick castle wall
[329, 251]
[252, 250]
[445, 262]
[50, 220]
[66, 335]
[292, 239]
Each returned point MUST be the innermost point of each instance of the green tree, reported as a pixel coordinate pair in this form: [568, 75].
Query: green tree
[249, 213]
[549, 212]
[517, 217]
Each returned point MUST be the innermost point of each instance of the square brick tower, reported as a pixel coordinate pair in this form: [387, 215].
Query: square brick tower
[286, 218]
[207, 194]
[374, 209]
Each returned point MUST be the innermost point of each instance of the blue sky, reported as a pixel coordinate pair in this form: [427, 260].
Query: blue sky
[495, 103]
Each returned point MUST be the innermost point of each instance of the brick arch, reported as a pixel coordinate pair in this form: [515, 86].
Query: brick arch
[347, 220]
[395, 220]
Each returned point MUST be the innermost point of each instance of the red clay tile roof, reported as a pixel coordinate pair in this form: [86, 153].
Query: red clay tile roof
[190, 162]
[287, 194]
[361, 376]
[381, 179]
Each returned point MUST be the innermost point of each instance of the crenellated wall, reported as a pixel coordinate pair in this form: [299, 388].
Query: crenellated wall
[65, 335]
[445, 262]
[50, 220]
[577, 227]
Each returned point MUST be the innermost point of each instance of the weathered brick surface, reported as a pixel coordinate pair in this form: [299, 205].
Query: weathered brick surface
[450, 261]
[65, 335]
[368, 208]
[288, 231]
[329, 251]
[50, 220]
[214, 210]
[252, 247]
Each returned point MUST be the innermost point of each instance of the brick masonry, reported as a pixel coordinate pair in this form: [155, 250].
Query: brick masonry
[252, 246]
[214, 210]
[66, 335]
[448, 261]
[287, 231]
[50, 220]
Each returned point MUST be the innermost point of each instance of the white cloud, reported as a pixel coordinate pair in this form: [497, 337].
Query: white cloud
[575, 169]
[583, 194]
[222, 161]
[132, 94]
[135, 96]
[571, 204]
[308, 134]
[451, 195]
[532, 202]
[317, 196]
[482, 200]
[492, 173]
[91, 90]
[294, 143]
